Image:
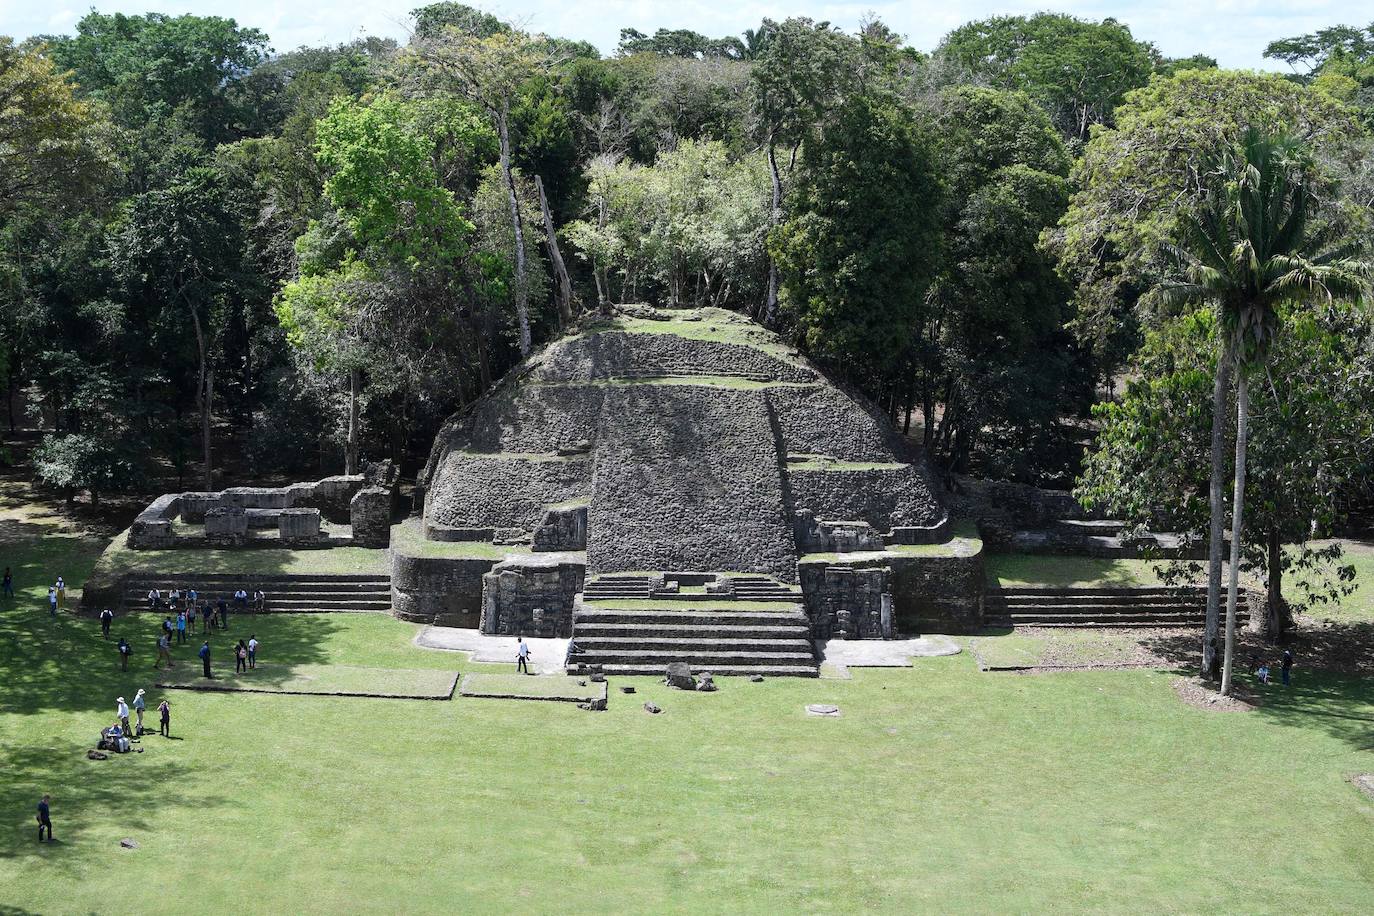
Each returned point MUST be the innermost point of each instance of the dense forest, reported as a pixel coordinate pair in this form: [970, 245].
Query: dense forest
[214, 255]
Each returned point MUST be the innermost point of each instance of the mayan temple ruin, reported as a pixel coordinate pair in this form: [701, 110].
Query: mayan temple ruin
[680, 486]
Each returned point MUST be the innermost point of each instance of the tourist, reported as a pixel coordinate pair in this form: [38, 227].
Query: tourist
[106, 618]
[207, 617]
[573, 649]
[241, 658]
[240, 600]
[8, 583]
[164, 713]
[223, 614]
[1286, 666]
[164, 650]
[124, 652]
[139, 706]
[44, 818]
[205, 657]
[192, 596]
[52, 600]
[259, 601]
[154, 598]
[1264, 672]
[174, 598]
[168, 628]
[522, 656]
[61, 592]
[252, 651]
[122, 714]
[181, 624]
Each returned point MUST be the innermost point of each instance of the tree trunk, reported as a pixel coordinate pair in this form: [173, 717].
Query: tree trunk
[351, 451]
[1215, 544]
[560, 270]
[1237, 518]
[204, 392]
[205, 418]
[522, 310]
[1278, 613]
[770, 306]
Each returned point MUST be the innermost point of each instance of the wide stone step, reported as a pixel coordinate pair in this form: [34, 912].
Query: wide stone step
[1119, 600]
[693, 644]
[1089, 622]
[321, 594]
[704, 659]
[701, 631]
[233, 580]
[1102, 592]
[1108, 609]
[271, 588]
[690, 617]
[631, 669]
[706, 597]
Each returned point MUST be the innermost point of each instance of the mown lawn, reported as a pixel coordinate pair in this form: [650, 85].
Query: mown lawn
[939, 788]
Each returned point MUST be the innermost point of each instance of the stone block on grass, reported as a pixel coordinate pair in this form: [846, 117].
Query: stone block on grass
[298, 524]
[226, 522]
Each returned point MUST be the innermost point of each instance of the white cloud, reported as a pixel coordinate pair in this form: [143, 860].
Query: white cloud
[1233, 31]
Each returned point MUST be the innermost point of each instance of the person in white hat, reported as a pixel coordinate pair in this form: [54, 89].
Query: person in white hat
[122, 714]
[139, 706]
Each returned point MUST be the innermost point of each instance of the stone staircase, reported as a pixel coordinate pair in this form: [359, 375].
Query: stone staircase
[730, 640]
[1159, 606]
[612, 587]
[286, 594]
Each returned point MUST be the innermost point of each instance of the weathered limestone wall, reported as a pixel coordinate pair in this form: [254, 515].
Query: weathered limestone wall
[369, 515]
[437, 590]
[617, 354]
[847, 601]
[526, 596]
[1002, 508]
[504, 491]
[153, 527]
[885, 497]
[929, 594]
[824, 420]
[562, 528]
[938, 594]
[688, 478]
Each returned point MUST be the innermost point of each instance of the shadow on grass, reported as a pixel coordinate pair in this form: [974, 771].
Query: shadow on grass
[1327, 694]
[65, 665]
[128, 789]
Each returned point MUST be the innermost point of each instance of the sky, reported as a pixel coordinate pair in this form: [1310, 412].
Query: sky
[1233, 31]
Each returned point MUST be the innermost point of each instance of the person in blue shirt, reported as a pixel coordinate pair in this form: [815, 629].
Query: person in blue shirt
[52, 600]
[181, 624]
[205, 657]
[44, 818]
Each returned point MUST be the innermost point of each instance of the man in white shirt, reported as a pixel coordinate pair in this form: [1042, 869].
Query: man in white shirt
[252, 651]
[154, 598]
[522, 656]
[122, 713]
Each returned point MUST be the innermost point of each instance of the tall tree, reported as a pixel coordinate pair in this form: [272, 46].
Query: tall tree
[861, 243]
[181, 247]
[1079, 70]
[804, 73]
[1252, 248]
[490, 72]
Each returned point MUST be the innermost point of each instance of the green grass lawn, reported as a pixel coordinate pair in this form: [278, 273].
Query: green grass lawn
[940, 788]
[118, 557]
[350, 680]
[1022, 569]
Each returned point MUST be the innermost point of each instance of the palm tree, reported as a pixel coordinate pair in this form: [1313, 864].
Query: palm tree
[1252, 247]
